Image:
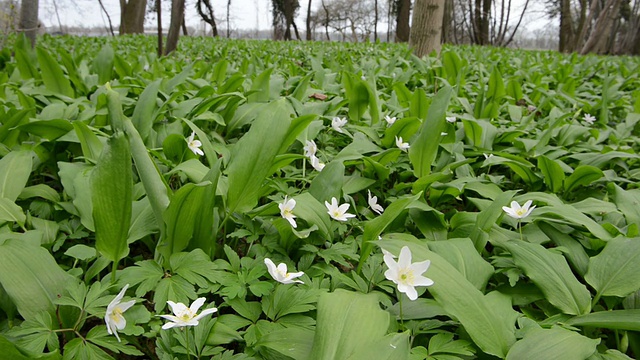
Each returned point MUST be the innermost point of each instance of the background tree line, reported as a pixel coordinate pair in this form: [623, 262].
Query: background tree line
[586, 26]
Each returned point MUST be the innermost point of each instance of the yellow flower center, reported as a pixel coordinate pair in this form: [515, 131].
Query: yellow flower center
[336, 213]
[521, 212]
[286, 212]
[406, 276]
[186, 315]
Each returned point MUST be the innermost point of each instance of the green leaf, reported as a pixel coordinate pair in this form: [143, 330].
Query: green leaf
[253, 154]
[195, 266]
[147, 273]
[463, 256]
[482, 319]
[34, 334]
[574, 252]
[496, 86]
[582, 175]
[260, 87]
[154, 184]
[81, 252]
[615, 319]
[286, 300]
[98, 335]
[103, 64]
[174, 288]
[142, 117]
[52, 75]
[9, 211]
[31, 277]
[111, 193]
[91, 145]
[180, 218]
[294, 342]
[313, 212]
[424, 148]
[552, 172]
[348, 324]
[15, 169]
[551, 273]
[357, 96]
[10, 351]
[614, 272]
[627, 201]
[329, 182]
[553, 344]
[78, 349]
[48, 129]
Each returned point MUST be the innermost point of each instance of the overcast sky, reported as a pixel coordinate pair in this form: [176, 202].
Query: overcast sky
[244, 14]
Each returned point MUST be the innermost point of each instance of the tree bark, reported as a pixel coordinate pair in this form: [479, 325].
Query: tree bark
[375, 21]
[208, 15]
[159, 16]
[403, 9]
[601, 32]
[426, 29]
[566, 27]
[132, 16]
[177, 15]
[447, 20]
[309, 21]
[29, 19]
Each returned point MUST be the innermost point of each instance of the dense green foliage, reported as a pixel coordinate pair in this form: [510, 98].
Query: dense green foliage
[102, 184]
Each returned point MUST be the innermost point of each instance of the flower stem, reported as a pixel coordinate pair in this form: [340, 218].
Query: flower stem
[400, 302]
[186, 329]
[520, 227]
[113, 272]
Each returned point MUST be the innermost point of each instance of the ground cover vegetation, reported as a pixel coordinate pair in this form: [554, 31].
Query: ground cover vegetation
[288, 200]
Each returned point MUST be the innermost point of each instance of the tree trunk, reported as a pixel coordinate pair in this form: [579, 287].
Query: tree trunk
[159, 16]
[566, 26]
[426, 29]
[132, 16]
[208, 15]
[185, 32]
[601, 32]
[309, 21]
[484, 27]
[326, 20]
[402, 20]
[29, 20]
[447, 21]
[228, 21]
[177, 15]
[375, 21]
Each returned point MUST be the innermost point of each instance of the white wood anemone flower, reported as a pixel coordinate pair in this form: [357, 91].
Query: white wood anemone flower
[406, 275]
[279, 273]
[338, 212]
[404, 146]
[337, 123]
[390, 120]
[519, 212]
[373, 203]
[186, 316]
[451, 119]
[114, 316]
[310, 148]
[194, 145]
[589, 119]
[316, 163]
[286, 211]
